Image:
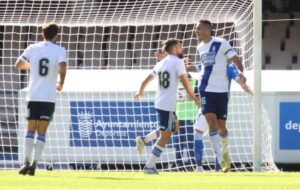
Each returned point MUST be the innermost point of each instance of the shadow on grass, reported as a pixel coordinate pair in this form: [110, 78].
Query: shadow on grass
[92, 177]
[111, 178]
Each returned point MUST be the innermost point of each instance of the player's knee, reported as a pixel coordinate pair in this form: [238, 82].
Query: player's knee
[213, 124]
[223, 132]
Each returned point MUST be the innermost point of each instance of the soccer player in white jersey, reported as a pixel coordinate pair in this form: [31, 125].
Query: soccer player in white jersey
[45, 60]
[201, 126]
[215, 53]
[168, 71]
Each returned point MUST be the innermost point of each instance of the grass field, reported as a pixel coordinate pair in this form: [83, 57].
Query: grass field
[137, 180]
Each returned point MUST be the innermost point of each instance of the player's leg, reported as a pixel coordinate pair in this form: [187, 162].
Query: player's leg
[190, 145]
[32, 119]
[222, 106]
[157, 151]
[167, 125]
[209, 109]
[40, 142]
[46, 113]
[179, 141]
[200, 127]
[28, 146]
[198, 149]
[141, 141]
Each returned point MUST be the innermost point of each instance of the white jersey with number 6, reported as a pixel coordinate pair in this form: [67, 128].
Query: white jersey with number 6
[44, 59]
[168, 71]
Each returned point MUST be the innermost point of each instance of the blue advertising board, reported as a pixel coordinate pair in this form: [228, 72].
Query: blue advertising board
[289, 133]
[110, 123]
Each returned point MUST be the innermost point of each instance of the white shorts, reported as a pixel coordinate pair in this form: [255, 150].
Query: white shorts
[201, 123]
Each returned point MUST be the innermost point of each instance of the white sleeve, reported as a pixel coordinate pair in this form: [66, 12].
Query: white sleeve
[227, 50]
[154, 70]
[62, 56]
[180, 69]
[26, 55]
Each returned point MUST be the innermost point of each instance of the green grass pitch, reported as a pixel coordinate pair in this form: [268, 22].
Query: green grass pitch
[75, 180]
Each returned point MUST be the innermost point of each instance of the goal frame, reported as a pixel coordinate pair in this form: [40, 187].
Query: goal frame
[257, 55]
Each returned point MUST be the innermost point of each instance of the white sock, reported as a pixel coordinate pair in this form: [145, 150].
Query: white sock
[224, 142]
[156, 152]
[152, 136]
[38, 148]
[28, 146]
[215, 141]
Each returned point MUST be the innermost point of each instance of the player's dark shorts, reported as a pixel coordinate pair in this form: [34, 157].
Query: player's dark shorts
[40, 110]
[166, 120]
[216, 103]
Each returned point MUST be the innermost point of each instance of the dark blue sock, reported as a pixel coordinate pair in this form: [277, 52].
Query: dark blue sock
[217, 165]
[199, 152]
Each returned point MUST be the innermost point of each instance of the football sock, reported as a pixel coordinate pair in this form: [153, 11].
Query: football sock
[38, 148]
[29, 143]
[156, 152]
[224, 142]
[198, 148]
[216, 145]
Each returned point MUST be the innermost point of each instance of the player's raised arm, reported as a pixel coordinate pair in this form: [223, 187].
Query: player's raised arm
[143, 86]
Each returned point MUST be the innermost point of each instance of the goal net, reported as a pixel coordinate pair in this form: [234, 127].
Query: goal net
[110, 46]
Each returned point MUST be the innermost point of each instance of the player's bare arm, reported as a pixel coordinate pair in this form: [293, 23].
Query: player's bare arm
[242, 81]
[237, 62]
[62, 76]
[189, 89]
[22, 65]
[143, 86]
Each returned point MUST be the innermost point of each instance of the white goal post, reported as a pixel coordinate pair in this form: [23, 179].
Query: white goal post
[257, 65]
[110, 46]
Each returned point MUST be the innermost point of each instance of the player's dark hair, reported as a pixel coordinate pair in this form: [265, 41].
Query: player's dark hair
[207, 23]
[169, 44]
[50, 30]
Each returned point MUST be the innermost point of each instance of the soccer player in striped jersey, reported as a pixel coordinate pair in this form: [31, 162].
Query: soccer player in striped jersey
[201, 126]
[45, 60]
[215, 53]
[168, 71]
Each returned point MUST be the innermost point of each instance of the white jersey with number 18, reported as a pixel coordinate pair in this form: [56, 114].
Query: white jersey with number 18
[44, 59]
[168, 71]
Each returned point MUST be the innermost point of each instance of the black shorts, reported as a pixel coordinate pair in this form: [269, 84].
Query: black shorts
[216, 103]
[40, 110]
[167, 120]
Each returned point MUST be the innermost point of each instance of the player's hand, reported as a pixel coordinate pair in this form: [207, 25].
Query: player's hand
[198, 102]
[159, 55]
[59, 86]
[138, 95]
